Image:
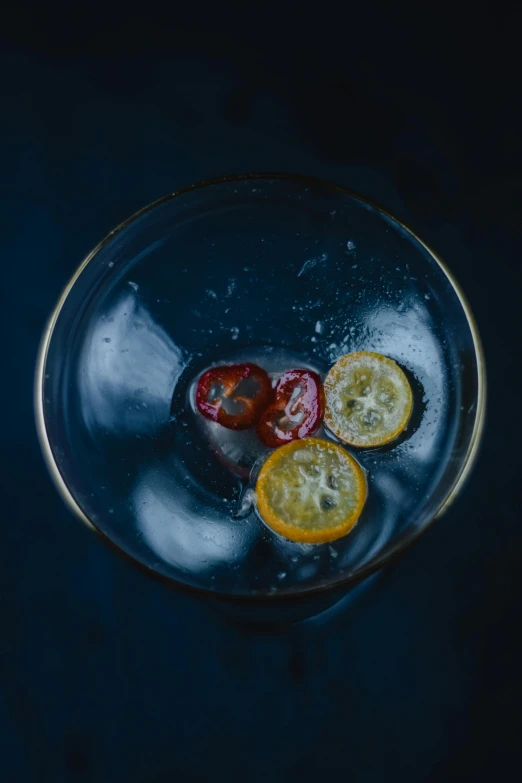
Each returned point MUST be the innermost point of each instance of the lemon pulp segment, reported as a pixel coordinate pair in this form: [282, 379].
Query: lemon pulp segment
[368, 399]
[311, 490]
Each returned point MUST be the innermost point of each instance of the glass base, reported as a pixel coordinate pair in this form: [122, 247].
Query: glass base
[314, 611]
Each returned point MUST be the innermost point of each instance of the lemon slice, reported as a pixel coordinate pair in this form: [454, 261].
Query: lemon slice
[368, 399]
[311, 491]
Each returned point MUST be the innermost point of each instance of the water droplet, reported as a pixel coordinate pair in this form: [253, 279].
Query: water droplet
[231, 286]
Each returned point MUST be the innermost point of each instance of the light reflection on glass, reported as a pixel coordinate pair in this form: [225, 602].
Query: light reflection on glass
[166, 519]
[127, 371]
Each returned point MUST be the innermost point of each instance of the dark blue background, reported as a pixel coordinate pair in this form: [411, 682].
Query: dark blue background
[105, 675]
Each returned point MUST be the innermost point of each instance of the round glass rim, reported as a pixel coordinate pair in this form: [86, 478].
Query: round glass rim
[346, 580]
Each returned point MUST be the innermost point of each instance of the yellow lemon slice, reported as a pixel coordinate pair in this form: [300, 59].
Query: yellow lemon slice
[368, 399]
[311, 491]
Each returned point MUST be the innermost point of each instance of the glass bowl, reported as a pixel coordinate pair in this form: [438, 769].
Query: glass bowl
[285, 271]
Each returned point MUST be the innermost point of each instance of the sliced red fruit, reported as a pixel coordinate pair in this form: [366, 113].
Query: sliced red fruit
[297, 410]
[234, 395]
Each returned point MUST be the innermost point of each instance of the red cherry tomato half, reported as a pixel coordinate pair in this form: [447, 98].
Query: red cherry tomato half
[234, 395]
[297, 410]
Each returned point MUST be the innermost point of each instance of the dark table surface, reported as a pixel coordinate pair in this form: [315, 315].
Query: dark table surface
[106, 676]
